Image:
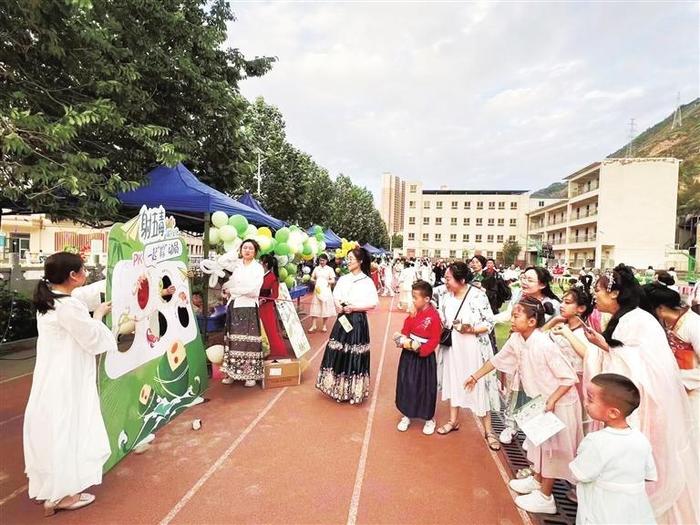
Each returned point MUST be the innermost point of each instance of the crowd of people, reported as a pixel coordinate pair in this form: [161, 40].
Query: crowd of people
[617, 362]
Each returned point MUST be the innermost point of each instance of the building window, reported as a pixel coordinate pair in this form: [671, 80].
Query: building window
[478, 237]
[513, 205]
[426, 205]
[492, 205]
[438, 221]
[426, 221]
[411, 204]
[501, 222]
[540, 204]
[465, 237]
[414, 188]
[453, 237]
[424, 253]
[438, 205]
[411, 220]
[467, 205]
[479, 205]
[465, 221]
[453, 253]
[479, 221]
[489, 238]
[489, 254]
[490, 221]
[453, 221]
[454, 205]
[425, 237]
[501, 205]
[514, 222]
[511, 238]
[411, 236]
[499, 238]
[438, 237]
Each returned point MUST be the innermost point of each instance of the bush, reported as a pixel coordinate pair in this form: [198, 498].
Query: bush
[17, 316]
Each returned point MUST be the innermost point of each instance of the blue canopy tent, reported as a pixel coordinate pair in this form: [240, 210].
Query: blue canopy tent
[250, 201]
[178, 190]
[332, 240]
[372, 250]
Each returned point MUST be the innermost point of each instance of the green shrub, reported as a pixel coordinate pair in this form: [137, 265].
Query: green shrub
[17, 316]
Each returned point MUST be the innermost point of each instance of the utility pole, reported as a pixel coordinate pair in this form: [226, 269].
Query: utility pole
[630, 148]
[677, 115]
[259, 176]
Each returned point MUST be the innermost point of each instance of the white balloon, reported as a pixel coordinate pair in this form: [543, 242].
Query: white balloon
[219, 218]
[306, 270]
[215, 354]
[214, 235]
[227, 233]
[282, 260]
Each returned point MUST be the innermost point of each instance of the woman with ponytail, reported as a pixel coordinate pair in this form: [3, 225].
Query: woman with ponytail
[634, 345]
[344, 373]
[65, 440]
[269, 292]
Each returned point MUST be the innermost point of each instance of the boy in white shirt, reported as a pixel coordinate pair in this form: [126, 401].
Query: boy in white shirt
[612, 465]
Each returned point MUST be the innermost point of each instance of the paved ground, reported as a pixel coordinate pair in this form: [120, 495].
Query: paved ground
[286, 455]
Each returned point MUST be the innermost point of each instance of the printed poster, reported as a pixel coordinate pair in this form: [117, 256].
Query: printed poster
[160, 368]
[292, 324]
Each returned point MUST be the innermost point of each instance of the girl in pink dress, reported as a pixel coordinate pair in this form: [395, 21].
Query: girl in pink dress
[541, 368]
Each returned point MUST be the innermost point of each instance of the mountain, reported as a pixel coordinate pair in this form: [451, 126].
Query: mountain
[660, 140]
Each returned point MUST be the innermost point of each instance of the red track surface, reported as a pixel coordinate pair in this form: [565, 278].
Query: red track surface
[286, 455]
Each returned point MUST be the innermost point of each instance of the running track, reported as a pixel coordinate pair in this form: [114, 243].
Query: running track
[288, 456]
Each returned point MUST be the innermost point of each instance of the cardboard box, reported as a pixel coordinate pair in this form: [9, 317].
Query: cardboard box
[282, 372]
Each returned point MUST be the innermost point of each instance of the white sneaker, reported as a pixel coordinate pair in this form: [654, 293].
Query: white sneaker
[429, 427]
[537, 503]
[525, 485]
[403, 424]
[227, 381]
[506, 435]
[250, 383]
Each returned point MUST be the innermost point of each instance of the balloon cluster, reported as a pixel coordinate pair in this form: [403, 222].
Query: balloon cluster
[346, 246]
[290, 244]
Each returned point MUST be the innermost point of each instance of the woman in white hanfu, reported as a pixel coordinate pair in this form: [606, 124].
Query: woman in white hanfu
[406, 280]
[634, 345]
[322, 305]
[65, 440]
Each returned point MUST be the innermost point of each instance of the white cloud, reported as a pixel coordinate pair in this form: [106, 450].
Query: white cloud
[477, 95]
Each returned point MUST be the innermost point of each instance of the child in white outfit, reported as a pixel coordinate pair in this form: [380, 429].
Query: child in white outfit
[612, 465]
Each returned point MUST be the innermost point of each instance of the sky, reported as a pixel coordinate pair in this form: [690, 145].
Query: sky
[469, 95]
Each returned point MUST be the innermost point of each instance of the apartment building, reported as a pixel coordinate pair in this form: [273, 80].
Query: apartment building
[459, 223]
[392, 203]
[616, 210]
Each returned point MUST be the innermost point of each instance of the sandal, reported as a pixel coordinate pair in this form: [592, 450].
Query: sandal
[448, 427]
[312, 329]
[492, 441]
[524, 473]
[84, 499]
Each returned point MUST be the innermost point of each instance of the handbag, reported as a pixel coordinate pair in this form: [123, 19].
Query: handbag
[446, 335]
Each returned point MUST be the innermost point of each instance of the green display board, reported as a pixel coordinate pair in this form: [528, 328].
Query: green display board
[160, 368]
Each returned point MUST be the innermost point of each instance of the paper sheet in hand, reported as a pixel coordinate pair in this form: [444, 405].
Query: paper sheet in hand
[345, 323]
[537, 424]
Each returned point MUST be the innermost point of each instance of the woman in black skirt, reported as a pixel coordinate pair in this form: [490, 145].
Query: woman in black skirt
[416, 380]
[344, 373]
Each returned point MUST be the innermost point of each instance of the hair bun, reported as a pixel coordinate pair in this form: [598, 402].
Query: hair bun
[548, 308]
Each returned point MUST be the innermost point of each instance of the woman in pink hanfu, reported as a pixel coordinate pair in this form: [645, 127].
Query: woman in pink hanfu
[634, 345]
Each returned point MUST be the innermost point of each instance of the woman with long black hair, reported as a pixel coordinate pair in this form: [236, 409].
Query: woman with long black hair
[634, 345]
[65, 439]
[344, 373]
[269, 292]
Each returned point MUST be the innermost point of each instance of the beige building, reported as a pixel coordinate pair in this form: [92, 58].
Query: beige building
[457, 224]
[392, 205]
[617, 210]
[36, 235]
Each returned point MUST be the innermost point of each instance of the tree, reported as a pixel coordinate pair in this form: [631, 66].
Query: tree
[94, 93]
[397, 240]
[510, 250]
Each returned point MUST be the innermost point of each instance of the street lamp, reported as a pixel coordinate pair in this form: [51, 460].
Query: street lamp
[258, 177]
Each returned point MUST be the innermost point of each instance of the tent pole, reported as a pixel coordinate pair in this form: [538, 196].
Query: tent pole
[205, 278]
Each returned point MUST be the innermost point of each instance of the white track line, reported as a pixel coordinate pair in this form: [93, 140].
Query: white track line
[15, 493]
[219, 462]
[362, 464]
[16, 377]
[11, 419]
[502, 471]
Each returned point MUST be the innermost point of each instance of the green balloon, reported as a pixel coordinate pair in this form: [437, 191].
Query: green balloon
[318, 230]
[283, 274]
[320, 237]
[289, 281]
[282, 249]
[307, 250]
[321, 245]
[239, 222]
[291, 269]
[282, 234]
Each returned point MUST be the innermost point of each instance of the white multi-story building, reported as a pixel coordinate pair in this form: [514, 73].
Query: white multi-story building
[458, 223]
[617, 210]
[392, 205]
